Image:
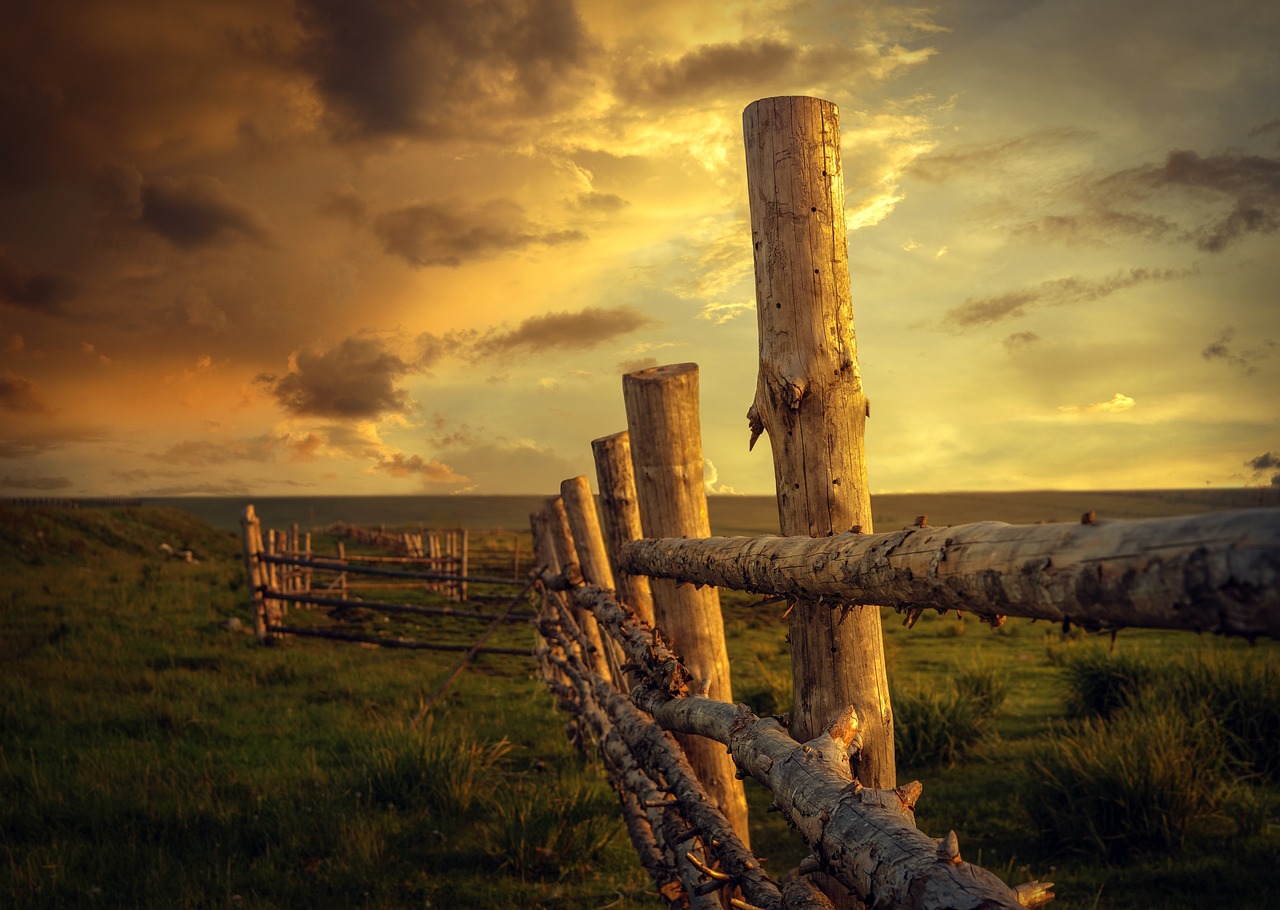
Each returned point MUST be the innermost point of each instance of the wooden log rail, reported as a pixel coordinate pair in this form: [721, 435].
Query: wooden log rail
[337, 565]
[1216, 572]
[638, 754]
[865, 838]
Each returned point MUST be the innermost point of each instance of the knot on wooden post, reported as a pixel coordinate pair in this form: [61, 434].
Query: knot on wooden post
[949, 849]
[839, 743]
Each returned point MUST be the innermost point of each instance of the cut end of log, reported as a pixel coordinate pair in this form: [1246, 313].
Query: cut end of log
[1034, 894]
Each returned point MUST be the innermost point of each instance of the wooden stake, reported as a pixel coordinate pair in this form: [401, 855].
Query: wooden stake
[809, 400]
[666, 453]
[251, 537]
[567, 554]
[620, 514]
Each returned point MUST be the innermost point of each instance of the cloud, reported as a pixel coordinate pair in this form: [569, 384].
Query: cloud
[1246, 360]
[591, 201]
[1244, 188]
[707, 69]
[711, 481]
[193, 212]
[42, 484]
[1019, 340]
[939, 167]
[345, 203]
[208, 452]
[984, 311]
[431, 473]
[21, 395]
[41, 292]
[440, 234]
[354, 380]
[634, 366]
[35, 444]
[1118, 403]
[1267, 461]
[563, 331]
[426, 68]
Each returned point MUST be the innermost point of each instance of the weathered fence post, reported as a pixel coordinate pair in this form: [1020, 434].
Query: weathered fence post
[252, 540]
[593, 560]
[809, 399]
[567, 554]
[621, 517]
[666, 452]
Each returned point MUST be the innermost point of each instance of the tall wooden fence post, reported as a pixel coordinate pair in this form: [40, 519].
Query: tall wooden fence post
[620, 514]
[810, 402]
[593, 559]
[255, 569]
[666, 452]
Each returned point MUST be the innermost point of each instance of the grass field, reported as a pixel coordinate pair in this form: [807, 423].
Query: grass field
[151, 755]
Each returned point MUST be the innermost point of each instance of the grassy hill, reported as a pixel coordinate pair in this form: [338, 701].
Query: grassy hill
[152, 754]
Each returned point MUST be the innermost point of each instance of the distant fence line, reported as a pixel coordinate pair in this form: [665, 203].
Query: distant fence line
[284, 570]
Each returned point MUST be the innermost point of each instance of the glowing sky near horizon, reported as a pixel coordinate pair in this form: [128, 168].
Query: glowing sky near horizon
[313, 247]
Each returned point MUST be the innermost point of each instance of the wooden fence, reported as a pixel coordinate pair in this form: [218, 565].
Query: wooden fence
[284, 571]
[630, 637]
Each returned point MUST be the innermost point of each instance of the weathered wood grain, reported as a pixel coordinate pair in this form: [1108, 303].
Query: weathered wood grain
[1215, 572]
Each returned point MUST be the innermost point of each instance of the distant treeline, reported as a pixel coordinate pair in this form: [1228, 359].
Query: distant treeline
[64, 502]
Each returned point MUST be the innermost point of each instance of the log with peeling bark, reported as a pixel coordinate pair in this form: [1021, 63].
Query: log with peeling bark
[634, 745]
[1215, 572]
[866, 837]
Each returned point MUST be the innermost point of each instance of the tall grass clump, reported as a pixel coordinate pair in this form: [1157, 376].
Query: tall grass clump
[937, 725]
[442, 771]
[548, 835]
[1100, 683]
[1129, 785]
[1242, 691]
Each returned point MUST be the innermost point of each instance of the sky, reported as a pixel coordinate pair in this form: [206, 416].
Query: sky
[308, 247]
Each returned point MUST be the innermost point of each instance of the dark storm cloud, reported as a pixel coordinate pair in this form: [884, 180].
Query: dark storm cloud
[1267, 461]
[1247, 186]
[432, 68]
[710, 67]
[984, 311]
[20, 395]
[440, 234]
[189, 212]
[1247, 360]
[83, 82]
[563, 331]
[355, 380]
[42, 292]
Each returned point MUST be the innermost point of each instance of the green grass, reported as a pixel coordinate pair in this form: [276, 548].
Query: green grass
[151, 757]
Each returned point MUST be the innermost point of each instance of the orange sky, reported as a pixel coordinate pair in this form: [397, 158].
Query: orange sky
[328, 248]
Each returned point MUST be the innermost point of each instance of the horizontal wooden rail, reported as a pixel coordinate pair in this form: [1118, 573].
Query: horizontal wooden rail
[1215, 572]
[408, 643]
[335, 565]
[866, 837]
[414, 609]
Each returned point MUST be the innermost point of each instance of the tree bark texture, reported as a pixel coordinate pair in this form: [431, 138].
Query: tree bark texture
[620, 513]
[666, 453]
[866, 837]
[810, 401]
[1215, 572]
